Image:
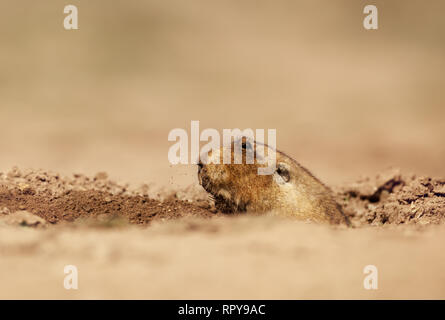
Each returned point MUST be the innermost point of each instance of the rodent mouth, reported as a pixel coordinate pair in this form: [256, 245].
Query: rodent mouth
[204, 181]
[222, 202]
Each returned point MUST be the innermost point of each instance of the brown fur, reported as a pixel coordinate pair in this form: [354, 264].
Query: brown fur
[239, 188]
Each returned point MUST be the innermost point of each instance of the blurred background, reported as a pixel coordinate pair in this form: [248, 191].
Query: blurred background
[345, 101]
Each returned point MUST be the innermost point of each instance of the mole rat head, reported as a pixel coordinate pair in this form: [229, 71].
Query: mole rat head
[230, 174]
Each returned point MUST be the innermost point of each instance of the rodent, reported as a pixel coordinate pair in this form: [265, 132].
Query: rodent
[291, 190]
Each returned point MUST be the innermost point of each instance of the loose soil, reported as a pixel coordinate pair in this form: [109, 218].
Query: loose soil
[388, 198]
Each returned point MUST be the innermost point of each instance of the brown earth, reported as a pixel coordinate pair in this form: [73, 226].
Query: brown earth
[388, 198]
[393, 198]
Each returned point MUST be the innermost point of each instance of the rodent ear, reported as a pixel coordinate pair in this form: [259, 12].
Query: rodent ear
[283, 170]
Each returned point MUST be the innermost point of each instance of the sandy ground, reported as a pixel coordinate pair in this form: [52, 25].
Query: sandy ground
[347, 103]
[128, 245]
[245, 258]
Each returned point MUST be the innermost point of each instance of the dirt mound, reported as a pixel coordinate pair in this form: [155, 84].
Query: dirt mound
[55, 198]
[388, 198]
[393, 198]
[49, 183]
[92, 203]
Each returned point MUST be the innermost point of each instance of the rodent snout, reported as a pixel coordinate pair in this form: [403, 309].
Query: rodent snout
[200, 166]
[203, 178]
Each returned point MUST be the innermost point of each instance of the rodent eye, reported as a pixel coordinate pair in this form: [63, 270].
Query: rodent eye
[246, 145]
[283, 172]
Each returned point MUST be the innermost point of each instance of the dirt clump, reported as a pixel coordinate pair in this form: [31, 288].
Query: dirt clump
[393, 198]
[49, 183]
